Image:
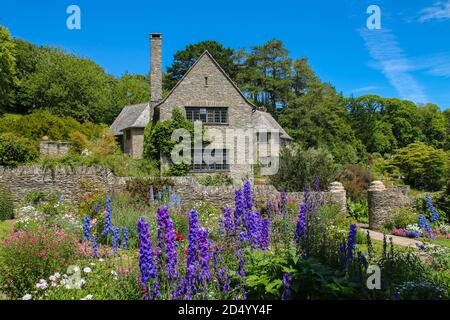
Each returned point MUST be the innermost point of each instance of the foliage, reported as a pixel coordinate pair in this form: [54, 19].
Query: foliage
[401, 218]
[220, 179]
[41, 123]
[15, 150]
[6, 203]
[158, 141]
[424, 167]
[139, 188]
[8, 69]
[33, 254]
[300, 166]
[356, 180]
[359, 210]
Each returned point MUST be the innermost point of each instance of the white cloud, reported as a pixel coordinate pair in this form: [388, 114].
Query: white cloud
[364, 89]
[392, 61]
[438, 11]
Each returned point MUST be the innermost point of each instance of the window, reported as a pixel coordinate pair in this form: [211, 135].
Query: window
[206, 81]
[213, 163]
[208, 115]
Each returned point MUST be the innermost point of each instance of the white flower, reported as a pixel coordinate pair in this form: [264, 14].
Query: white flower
[92, 264]
[88, 297]
[113, 273]
[26, 297]
[87, 270]
[101, 259]
[57, 275]
[52, 278]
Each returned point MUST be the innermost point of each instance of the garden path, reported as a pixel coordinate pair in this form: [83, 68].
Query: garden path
[401, 241]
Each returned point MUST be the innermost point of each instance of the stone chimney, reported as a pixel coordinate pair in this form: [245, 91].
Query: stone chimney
[156, 67]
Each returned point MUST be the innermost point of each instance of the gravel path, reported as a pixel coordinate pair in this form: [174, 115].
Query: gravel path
[401, 241]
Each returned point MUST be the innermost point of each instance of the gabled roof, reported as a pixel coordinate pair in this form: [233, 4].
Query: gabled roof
[264, 121]
[206, 53]
[134, 116]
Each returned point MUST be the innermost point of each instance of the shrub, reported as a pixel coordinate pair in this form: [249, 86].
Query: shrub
[356, 180]
[139, 188]
[359, 210]
[298, 167]
[6, 204]
[33, 254]
[401, 218]
[16, 150]
[220, 179]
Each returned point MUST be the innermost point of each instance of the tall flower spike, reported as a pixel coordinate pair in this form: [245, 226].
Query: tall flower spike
[434, 214]
[107, 225]
[115, 239]
[248, 199]
[300, 230]
[239, 208]
[204, 255]
[86, 228]
[125, 238]
[146, 264]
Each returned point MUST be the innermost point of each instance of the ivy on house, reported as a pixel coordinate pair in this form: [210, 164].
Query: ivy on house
[158, 140]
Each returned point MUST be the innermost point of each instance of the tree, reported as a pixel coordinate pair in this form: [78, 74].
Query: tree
[71, 86]
[423, 166]
[434, 125]
[131, 89]
[184, 59]
[8, 78]
[266, 75]
[316, 119]
[299, 167]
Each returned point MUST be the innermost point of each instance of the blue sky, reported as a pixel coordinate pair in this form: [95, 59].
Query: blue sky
[408, 58]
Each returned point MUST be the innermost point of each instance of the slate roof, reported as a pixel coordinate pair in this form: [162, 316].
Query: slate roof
[264, 120]
[134, 116]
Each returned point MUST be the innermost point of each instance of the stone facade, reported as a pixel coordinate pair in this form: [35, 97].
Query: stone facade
[54, 148]
[133, 142]
[219, 91]
[382, 202]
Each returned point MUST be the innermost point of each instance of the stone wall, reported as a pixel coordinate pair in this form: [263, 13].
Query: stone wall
[69, 181]
[382, 202]
[73, 182]
[54, 148]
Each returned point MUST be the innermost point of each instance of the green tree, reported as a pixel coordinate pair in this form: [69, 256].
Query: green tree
[423, 166]
[316, 119]
[131, 89]
[71, 86]
[184, 59]
[266, 75]
[434, 125]
[8, 69]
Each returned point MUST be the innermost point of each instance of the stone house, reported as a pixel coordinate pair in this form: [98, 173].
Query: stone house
[241, 134]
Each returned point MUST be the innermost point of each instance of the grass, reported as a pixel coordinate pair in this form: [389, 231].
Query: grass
[6, 227]
[441, 242]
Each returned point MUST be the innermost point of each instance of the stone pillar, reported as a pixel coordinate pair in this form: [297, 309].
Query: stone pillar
[338, 195]
[377, 209]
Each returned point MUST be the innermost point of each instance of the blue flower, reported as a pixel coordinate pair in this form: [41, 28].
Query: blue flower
[115, 238]
[86, 228]
[107, 228]
[125, 238]
[287, 292]
[95, 247]
[423, 224]
[434, 214]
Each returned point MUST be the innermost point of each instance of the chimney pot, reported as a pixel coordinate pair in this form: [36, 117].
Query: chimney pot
[156, 67]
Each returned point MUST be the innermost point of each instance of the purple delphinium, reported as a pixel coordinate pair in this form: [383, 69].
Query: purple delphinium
[179, 202]
[239, 208]
[107, 228]
[204, 255]
[316, 188]
[166, 230]
[146, 265]
[423, 224]
[94, 246]
[192, 256]
[300, 230]
[420, 246]
[287, 292]
[351, 241]
[284, 202]
[434, 214]
[125, 238]
[86, 228]
[228, 221]
[115, 239]
[248, 199]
